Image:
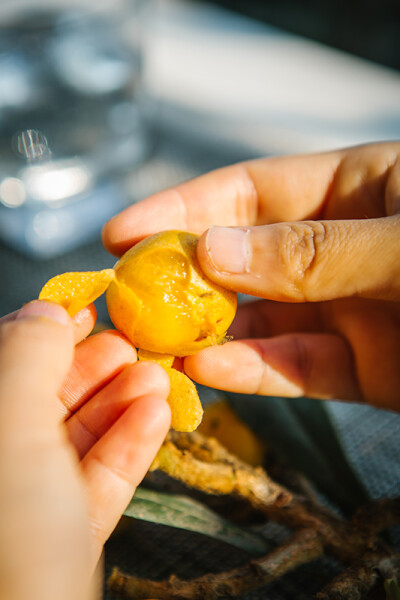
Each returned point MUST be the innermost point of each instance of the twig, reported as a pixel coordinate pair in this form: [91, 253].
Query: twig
[303, 547]
[359, 580]
[205, 465]
[202, 463]
[378, 515]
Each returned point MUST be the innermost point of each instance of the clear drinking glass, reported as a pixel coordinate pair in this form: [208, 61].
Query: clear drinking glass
[72, 117]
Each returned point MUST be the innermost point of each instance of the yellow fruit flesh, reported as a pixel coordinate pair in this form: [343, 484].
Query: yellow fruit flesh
[158, 297]
[165, 360]
[180, 311]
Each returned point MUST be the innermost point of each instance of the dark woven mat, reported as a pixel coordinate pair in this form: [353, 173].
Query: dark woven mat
[156, 552]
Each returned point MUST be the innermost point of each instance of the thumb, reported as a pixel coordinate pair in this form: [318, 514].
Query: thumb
[43, 520]
[306, 261]
[36, 351]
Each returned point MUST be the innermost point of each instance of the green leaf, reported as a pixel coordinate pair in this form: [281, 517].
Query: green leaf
[392, 589]
[185, 513]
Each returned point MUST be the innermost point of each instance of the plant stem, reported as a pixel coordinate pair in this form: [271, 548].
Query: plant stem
[377, 516]
[359, 580]
[303, 547]
[203, 464]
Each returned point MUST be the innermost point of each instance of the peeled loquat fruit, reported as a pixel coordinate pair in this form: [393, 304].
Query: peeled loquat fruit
[159, 298]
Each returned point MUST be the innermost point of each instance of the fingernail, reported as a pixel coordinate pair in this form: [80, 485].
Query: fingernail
[50, 310]
[228, 249]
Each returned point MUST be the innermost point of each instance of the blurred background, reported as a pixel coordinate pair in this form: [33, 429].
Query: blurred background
[369, 29]
[105, 102]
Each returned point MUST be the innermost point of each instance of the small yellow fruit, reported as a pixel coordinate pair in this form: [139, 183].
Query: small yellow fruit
[221, 421]
[159, 298]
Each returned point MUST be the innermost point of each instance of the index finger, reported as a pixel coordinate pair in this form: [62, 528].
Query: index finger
[250, 193]
[343, 184]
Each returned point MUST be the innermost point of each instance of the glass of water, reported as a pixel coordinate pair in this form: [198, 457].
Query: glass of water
[73, 117]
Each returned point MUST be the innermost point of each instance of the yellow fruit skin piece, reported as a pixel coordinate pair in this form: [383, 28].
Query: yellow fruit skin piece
[181, 311]
[221, 422]
[165, 360]
[186, 408]
[76, 290]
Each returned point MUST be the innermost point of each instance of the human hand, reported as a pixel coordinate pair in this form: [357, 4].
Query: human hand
[80, 427]
[318, 237]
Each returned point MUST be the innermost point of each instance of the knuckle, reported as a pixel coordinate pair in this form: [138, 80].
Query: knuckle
[98, 531]
[301, 249]
[247, 197]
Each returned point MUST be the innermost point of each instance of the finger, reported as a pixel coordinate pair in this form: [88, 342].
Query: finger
[314, 365]
[93, 419]
[36, 351]
[392, 196]
[115, 466]
[260, 191]
[10, 317]
[265, 318]
[83, 322]
[372, 329]
[42, 505]
[306, 261]
[335, 185]
[97, 582]
[361, 181]
[98, 359]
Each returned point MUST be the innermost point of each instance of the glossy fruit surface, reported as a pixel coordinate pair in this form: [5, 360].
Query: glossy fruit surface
[161, 300]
